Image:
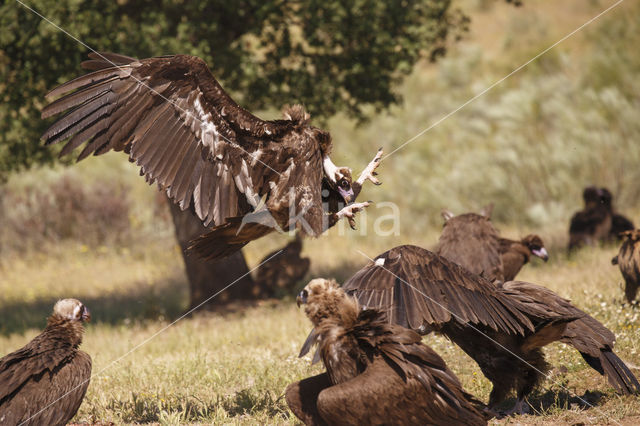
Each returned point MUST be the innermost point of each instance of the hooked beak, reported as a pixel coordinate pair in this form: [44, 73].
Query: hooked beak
[347, 196]
[302, 298]
[542, 254]
[86, 315]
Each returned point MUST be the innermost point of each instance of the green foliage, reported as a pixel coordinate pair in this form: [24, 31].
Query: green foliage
[329, 55]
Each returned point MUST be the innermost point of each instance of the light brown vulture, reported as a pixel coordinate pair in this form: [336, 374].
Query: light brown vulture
[44, 382]
[245, 176]
[515, 254]
[475, 229]
[628, 259]
[377, 373]
[285, 270]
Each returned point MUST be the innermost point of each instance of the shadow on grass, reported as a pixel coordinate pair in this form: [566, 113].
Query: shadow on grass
[542, 403]
[167, 298]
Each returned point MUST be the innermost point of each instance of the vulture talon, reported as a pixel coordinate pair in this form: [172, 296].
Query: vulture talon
[369, 173]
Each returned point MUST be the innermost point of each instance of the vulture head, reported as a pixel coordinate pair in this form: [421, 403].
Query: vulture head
[325, 300]
[71, 310]
[338, 178]
[535, 244]
[594, 196]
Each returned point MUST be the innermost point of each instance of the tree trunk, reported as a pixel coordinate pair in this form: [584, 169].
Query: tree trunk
[207, 278]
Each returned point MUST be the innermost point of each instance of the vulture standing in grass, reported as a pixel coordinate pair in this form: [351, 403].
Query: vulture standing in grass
[628, 259]
[285, 269]
[246, 177]
[377, 373]
[44, 382]
[470, 227]
[494, 325]
[515, 254]
[586, 334]
[598, 221]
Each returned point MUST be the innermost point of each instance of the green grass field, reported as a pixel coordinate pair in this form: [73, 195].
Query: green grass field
[529, 146]
[233, 366]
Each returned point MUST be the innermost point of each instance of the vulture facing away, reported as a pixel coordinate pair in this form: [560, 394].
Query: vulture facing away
[494, 325]
[284, 271]
[597, 221]
[246, 177]
[44, 382]
[377, 373]
[628, 259]
[515, 254]
[586, 334]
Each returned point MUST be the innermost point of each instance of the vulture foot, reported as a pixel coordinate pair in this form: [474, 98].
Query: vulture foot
[369, 172]
[350, 211]
[521, 407]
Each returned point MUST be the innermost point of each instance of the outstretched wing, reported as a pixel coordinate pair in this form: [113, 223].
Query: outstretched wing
[177, 123]
[421, 290]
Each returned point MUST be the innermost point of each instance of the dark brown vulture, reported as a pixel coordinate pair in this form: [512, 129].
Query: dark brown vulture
[598, 221]
[475, 230]
[285, 270]
[497, 328]
[44, 382]
[377, 373]
[515, 254]
[628, 259]
[245, 176]
[592, 339]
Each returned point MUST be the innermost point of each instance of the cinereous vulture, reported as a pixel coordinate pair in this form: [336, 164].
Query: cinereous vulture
[586, 334]
[246, 177]
[515, 254]
[377, 373]
[628, 259]
[44, 382]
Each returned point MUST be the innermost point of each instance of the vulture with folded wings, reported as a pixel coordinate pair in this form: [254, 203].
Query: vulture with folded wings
[44, 382]
[628, 259]
[515, 254]
[377, 373]
[245, 176]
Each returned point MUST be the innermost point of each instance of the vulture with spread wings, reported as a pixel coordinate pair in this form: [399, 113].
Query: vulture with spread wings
[245, 176]
[44, 382]
[586, 334]
[426, 292]
[377, 373]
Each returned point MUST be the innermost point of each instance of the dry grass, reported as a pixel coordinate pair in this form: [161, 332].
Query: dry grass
[232, 367]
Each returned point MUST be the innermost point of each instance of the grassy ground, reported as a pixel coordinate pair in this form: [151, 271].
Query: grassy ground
[232, 367]
[529, 146]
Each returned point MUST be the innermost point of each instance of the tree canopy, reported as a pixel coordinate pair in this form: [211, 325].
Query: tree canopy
[328, 55]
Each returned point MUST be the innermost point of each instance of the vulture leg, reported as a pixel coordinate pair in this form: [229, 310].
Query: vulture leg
[350, 211]
[302, 398]
[521, 407]
[369, 173]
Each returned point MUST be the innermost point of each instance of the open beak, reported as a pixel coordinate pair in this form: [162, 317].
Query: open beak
[302, 298]
[347, 196]
[86, 315]
[542, 254]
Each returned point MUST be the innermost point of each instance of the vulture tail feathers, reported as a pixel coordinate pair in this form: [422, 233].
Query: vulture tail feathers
[618, 374]
[226, 239]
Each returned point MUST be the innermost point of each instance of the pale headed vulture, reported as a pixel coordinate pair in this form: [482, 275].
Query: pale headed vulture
[515, 254]
[44, 382]
[377, 373]
[245, 176]
[628, 259]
